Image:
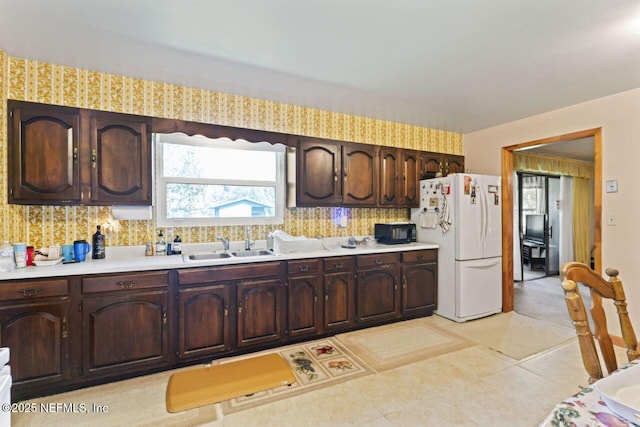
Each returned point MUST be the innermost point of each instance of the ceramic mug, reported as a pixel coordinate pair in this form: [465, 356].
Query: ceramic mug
[80, 250]
[67, 252]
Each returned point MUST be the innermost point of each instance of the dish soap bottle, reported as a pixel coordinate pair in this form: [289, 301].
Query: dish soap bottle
[98, 245]
[161, 244]
[177, 246]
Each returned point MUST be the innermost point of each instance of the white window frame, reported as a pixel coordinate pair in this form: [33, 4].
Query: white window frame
[161, 181]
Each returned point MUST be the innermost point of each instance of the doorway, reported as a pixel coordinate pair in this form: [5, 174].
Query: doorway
[508, 206]
[539, 226]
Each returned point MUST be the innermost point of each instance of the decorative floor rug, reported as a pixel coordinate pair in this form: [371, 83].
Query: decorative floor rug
[389, 346]
[315, 364]
[513, 335]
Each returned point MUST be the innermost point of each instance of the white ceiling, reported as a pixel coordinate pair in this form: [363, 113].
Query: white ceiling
[459, 65]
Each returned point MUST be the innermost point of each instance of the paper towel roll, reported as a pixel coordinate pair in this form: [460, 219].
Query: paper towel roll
[131, 212]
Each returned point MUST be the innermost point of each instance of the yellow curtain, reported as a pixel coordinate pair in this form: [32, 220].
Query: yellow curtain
[581, 219]
[553, 165]
[582, 173]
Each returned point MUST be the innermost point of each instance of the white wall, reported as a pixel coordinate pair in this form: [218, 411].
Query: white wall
[619, 117]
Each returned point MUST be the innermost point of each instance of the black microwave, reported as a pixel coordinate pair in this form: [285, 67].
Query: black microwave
[395, 232]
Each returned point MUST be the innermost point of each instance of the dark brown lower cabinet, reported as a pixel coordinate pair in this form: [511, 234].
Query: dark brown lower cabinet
[339, 294]
[203, 320]
[124, 333]
[378, 293]
[419, 282]
[304, 314]
[37, 336]
[261, 304]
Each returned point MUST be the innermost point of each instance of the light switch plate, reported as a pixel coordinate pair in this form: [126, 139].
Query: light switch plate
[612, 186]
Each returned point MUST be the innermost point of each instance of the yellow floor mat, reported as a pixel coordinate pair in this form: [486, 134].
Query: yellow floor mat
[212, 384]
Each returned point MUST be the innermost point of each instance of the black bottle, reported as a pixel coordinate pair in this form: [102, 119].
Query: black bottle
[177, 246]
[97, 251]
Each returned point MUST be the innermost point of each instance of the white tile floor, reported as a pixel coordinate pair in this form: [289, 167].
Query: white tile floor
[471, 387]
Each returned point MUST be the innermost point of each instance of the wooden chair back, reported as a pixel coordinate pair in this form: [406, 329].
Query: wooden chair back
[573, 273]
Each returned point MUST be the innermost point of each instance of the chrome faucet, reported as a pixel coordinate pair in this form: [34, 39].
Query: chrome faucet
[247, 238]
[225, 243]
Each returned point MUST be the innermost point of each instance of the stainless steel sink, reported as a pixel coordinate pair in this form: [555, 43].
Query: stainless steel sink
[259, 252]
[201, 257]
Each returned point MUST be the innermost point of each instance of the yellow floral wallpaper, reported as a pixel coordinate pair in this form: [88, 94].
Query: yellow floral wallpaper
[28, 80]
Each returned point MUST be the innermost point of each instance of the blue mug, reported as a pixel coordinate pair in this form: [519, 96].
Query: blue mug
[80, 250]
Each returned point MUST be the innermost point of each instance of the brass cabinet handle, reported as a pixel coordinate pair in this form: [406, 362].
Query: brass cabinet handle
[378, 261]
[94, 158]
[164, 316]
[126, 284]
[337, 265]
[75, 153]
[30, 292]
[303, 268]
[335, 174]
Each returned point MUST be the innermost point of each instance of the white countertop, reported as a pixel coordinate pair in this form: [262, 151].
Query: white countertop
[132, 258]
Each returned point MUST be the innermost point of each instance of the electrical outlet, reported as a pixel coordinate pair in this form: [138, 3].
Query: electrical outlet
[611, 220]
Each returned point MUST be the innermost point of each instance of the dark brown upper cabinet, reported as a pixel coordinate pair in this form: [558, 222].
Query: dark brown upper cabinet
[71, 156]
[331, 173]
[359, 174]
[399, 177]
[120, 160]
[389, 164]
[432, 164]
[319, 174]
[410, 177]
[44, 149]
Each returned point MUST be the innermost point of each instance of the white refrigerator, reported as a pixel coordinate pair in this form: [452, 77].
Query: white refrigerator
[462, 214]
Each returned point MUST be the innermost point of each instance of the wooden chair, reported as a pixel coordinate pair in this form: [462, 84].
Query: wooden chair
[576, 272]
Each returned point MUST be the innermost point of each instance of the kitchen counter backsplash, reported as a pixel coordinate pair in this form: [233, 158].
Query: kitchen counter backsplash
[132, 258]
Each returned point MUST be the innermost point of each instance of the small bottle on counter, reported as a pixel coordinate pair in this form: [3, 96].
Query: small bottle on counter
[98, 245]
[177, 246]
[148, 249]
[161, 245]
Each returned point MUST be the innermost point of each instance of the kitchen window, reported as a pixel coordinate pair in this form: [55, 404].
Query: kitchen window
[202, 181]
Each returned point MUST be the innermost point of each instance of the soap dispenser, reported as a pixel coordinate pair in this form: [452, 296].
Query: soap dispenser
[161, 244]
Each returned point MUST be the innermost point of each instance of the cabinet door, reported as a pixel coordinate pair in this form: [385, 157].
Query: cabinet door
[304, 306]
[359, 175]
[43, 154]
[389, 189]
[259, 306]
[37, 336]
[124, 333]
[203, 320]
[318, 174]
[431, 164]
[410, 179]
[378, 294]
[453, 164]
[339, 301]
[120, 160]
[419, 289]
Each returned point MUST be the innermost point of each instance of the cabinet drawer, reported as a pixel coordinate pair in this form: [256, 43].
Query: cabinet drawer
[122, 282]
[216, 274]
[304, 266]
[33, 289]
[420, 256]
[377, 259]
[338, 264]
